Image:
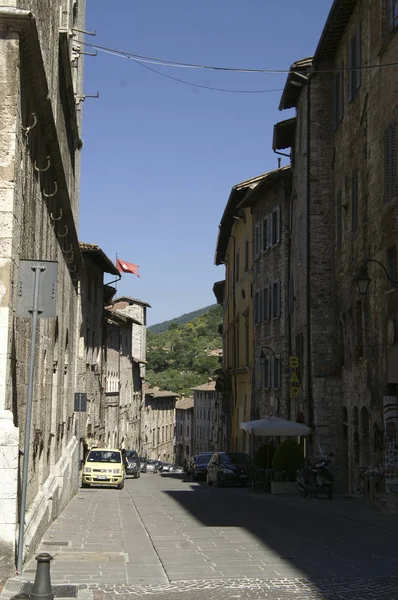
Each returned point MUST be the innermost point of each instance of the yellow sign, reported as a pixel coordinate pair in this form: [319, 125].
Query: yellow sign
[294, 380]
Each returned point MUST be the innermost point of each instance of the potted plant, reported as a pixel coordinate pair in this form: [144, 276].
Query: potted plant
[289, 456]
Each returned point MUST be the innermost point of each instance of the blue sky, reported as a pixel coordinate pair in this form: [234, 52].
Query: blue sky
[160, 157]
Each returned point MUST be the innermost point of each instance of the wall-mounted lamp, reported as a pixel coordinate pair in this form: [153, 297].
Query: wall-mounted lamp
[263, 355]
[363, 279]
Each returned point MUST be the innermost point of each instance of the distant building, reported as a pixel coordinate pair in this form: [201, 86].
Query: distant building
[158, 423]
[209, 431]
[184, 429]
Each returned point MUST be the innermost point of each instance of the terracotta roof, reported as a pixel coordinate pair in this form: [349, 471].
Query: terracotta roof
[206, 387]
[184, 403]
[237, 194]
[131, 301]
[294, 83]
[99, 257]
[155, 392]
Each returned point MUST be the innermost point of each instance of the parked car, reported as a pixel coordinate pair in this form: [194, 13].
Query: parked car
[103, 466]
[143, 463]
[152, 466]
[229, 468]
[133, 464]
[166, 467]
[174, 471]
[160, 465]
[200, 465]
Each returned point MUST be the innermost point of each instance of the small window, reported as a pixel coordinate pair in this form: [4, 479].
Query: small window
[338, 96]
[354, 55]
[390, 162]
[392, 263]
[354, 200]
[276, 299]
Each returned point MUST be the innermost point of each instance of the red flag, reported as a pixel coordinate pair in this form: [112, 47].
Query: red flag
[126, 267]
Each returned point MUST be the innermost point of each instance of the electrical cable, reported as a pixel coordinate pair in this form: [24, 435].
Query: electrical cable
[180, 64]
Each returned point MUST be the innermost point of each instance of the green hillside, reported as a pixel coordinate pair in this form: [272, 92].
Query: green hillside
[181, 357]
[164, 326]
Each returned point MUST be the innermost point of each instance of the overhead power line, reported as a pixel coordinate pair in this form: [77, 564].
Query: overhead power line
[189, 83]
[184, 65]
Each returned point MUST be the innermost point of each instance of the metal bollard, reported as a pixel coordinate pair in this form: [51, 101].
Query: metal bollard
[42, 589]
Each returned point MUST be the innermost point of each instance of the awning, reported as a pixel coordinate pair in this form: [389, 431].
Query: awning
[273, 427]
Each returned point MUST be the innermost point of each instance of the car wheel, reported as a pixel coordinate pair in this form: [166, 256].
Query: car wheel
[121, 485]
[208, 480]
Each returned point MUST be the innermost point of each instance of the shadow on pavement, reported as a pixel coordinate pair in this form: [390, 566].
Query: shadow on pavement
[320, 544]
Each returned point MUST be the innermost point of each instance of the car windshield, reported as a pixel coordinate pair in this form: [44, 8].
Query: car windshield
[131, 454]
[236, 458]
[104, 456]
[152, 462]
[203, 459]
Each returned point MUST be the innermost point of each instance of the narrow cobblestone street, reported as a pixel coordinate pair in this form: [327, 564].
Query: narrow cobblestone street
[165, 536]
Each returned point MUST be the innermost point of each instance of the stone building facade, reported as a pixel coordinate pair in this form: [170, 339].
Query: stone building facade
[158, 423]
[93, 297]
[209, 426]
[136, 311]
[272, 294]
[39, 182]
[184, 430]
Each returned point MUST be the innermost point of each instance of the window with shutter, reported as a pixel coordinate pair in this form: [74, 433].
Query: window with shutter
[338, 96]
[256, 308]
[278, 225]
[266, 304]
[265, 235]
[393, 13]
[390, 162]
[276, 299]
[354, 200]
[354, 54]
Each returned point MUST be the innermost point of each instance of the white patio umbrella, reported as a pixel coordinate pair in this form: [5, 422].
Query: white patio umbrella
[275, 427]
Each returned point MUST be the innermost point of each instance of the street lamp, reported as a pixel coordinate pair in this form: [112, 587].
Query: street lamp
[363, 279]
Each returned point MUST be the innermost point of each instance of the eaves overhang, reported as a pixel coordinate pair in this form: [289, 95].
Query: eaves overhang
[237, 194]
[23, 23]
[336, 23]
[219, 291]
[295, 82]
[270, 180]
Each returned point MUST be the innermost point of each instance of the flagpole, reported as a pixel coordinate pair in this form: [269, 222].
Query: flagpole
[117, 279]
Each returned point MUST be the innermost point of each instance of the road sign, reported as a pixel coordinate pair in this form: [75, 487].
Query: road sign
[47, 271]
[80, 402]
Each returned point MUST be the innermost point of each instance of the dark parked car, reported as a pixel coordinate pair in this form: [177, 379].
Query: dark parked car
[200, 465]
[143, 462]
[133, 465]
[229, 468]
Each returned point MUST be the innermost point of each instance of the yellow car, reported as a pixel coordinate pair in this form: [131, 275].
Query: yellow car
[103, 466]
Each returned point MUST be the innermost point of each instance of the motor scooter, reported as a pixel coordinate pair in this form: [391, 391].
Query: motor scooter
[316, 478]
